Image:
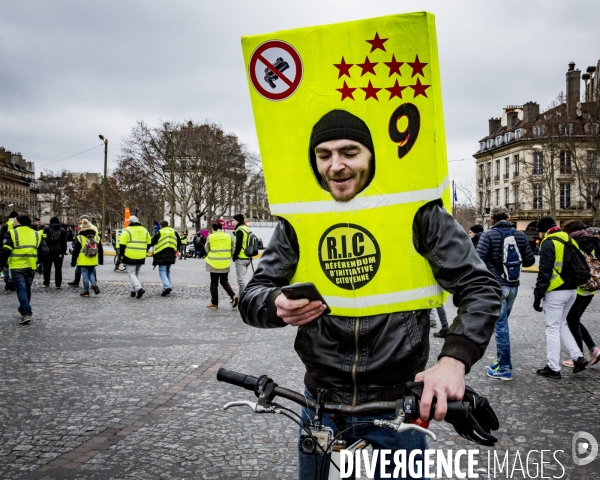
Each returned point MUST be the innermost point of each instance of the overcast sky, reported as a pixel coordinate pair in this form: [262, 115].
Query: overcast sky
[70, 70]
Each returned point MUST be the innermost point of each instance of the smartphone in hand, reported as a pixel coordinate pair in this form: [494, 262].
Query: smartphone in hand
[304, 290]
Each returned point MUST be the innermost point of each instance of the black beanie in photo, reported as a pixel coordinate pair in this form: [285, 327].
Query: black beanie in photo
[545, 224]
[338, 125]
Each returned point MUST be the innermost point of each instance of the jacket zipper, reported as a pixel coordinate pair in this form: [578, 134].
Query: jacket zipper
[355, 364]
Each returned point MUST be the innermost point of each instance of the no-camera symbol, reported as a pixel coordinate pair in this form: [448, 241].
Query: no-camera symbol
[588, 446]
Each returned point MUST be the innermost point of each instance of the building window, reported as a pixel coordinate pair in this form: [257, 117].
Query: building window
[537, 196]
[481, 174]
[538, 163]
[507, 167]
[516, 196]
[565, 195]
[497, 175]
[490, 143]
[497, 196]
[481, 205]
[489, 172]
[518, 133]
[506, 197]
[592, 192]
[537, 130]
[507, 137]
[516, 171]
[481, 146]
[499, 140]
[565, 162]
[592, 161]
[489, 201]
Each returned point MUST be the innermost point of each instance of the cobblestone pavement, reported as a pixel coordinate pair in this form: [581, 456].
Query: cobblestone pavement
[112, 387]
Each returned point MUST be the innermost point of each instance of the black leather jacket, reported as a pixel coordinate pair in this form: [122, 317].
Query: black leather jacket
[370, 358]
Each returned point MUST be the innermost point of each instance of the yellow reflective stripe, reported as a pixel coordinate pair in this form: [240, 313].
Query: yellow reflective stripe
[215, 251]
[23, 254]
[369, 301]
[361, 203]
[136, 248]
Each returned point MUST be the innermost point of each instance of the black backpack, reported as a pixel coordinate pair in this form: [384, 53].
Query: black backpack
[575, 270]
[53, 236]
[251, 249]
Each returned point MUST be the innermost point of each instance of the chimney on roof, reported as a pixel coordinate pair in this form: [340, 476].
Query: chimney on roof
[512, 118]
[531, 111]
[495, 125]
[573, 90]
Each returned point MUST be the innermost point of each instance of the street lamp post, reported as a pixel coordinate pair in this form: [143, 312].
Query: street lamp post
[105, 140]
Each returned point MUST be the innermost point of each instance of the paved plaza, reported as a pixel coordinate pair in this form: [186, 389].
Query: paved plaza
[113, 387]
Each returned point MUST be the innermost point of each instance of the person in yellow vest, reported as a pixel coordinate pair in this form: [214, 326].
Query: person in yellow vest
[166, 244]
[558, 299]
[8, 284]
[76, 280]
[218, 261]
[183, 239]
[133, 246]
[353, 357]
[87, 253]
[21, 247]
[240, 258]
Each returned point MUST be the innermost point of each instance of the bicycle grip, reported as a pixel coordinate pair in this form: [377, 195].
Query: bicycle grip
[458, 409]
[238, 379]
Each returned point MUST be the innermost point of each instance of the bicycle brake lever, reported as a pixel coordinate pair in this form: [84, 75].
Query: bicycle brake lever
[403, 427]
[245, 403]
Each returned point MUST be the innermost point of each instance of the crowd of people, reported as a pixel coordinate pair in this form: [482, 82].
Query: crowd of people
[28, 248]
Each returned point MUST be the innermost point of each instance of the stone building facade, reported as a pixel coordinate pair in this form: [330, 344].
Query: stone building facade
[18, 188]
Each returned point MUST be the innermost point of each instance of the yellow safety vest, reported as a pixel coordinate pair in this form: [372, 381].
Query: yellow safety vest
[136, 240]
[559, 251]
[82, 259]
[220, 250]
[246, 232]
[360, 253]
[10, 224]
[26, 241]
[168, 239]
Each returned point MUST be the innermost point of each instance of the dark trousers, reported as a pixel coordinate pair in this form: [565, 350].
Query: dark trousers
[55, 259]
[580, 333]
[215, 278]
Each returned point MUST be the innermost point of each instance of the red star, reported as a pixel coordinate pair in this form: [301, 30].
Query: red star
[395, 91]
[417, 67]
[367, 67]
[346, 91]
[419, 89]
[377, 43]
[344, 68]
[394, 66]
[371, 91]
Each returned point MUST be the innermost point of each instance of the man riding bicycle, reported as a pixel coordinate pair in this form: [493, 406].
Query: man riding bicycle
[363, 218]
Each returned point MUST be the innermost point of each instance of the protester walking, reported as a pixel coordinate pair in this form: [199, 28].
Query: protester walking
[77, 279]
[577, 231]
[133, 246]
[56, 239]
[7, 227]
[166, 243]
[504, 250]
[21, 248]
[87, 253]
[218, 262]
[242, 261]
[558, 297]
[183, 246]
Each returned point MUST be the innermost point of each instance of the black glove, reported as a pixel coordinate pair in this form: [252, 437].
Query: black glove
[477, 426]
[537, 304]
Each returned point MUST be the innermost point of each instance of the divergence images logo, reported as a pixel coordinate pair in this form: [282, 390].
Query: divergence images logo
[349, 255]
[588, 444]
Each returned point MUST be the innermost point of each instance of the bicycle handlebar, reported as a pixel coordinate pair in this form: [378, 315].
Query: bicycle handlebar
[251, 383]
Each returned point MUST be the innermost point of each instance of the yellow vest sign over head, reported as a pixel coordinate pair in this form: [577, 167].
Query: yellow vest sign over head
[384, 71]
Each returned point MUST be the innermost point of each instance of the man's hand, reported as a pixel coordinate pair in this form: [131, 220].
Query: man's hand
[298, 312]
[445, 381]
[537, 304]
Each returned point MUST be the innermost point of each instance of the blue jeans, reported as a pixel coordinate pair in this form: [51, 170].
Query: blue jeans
[501, 330]
[378, 437]
[88, 275]
[164, 272]
[22, 279]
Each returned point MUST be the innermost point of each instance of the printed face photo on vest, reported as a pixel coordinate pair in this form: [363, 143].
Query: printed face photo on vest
[341, 154]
